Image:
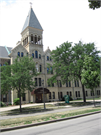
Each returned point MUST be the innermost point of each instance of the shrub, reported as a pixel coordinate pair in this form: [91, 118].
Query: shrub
[16, 101]
[2, 104]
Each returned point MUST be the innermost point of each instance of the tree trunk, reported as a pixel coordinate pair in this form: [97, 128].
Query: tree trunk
[83, 90]
[20, 102]
[93, 98]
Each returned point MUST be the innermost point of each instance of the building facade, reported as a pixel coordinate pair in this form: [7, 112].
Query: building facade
[31, 44]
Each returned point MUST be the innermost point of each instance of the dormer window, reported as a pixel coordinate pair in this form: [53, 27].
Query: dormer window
[19, 54]
[33, 55]
[39, 56]
[47, 57]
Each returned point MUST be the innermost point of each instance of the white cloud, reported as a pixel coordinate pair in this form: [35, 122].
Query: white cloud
[62, 20]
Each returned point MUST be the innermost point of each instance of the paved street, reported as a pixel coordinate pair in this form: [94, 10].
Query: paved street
[87, 125]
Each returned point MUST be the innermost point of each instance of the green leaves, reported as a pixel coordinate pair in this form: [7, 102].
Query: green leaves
[90, 72]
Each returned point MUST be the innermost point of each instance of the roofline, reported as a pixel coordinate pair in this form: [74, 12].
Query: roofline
[5, 58]
[31, 28]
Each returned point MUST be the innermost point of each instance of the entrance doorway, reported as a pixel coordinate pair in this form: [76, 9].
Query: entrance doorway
[38, 98]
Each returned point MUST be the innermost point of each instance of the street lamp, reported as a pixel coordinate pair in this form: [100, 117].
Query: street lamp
[43, 94]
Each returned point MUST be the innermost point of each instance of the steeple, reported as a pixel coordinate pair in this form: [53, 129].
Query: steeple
[31, 21]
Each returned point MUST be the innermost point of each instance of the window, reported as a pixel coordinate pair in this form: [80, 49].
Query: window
[33, 55]
[40, 68]
[19, 54]
[47, 70]
[70, 93]
[76, 93]
[50, 59]
[36, 54]
[98, 92]
[92, 93]
[48, 83]
[31, 37]
[66, 84]
[50, 95]
[86, 94]
[53, 95]
[77, 83]
[52, 84]
[39, 81]
[69, 84]
[0, 65]
[35, 81]
[24, 97]
[60, 94]
[39, 56]
[60, 84]
[51, 70]
[27, 54]
[67, 93]
[5, 98]
[35, 39]
[47, 57]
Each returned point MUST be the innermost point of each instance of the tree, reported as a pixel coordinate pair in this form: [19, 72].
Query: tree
[91, 73]
[93, 4]
[68, 61]
[21, 79]
[5, 74]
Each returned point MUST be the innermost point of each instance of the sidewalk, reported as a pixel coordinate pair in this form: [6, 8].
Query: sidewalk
[35, 104]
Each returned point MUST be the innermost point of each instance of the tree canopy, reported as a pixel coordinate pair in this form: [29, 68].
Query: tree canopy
[94, 4]
[91, 73]
[21, 76]
[68, 61]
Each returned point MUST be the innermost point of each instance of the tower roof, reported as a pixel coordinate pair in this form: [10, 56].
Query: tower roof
[31, 21]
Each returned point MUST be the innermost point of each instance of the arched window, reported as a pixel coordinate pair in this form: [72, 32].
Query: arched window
[19, 54]
[40, 68]
[39, 56]
[36, 54]
[33, 55]
[47, 57]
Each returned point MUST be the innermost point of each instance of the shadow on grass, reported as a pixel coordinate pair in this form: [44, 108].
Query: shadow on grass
[25, 111]
[78, 104]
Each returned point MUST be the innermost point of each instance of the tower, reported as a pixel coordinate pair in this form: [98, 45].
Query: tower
[32, 33]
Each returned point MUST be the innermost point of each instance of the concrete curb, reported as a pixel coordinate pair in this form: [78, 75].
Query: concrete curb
[46, 122]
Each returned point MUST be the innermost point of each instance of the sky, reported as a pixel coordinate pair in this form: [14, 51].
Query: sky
[61, 20]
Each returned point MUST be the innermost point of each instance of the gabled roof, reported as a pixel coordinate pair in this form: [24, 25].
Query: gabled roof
[31, 21]
[4, 52]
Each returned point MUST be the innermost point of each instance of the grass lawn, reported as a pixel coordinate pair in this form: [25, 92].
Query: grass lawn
[45, 117]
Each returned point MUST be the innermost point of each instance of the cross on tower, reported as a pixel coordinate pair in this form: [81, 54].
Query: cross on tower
[30, 4]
